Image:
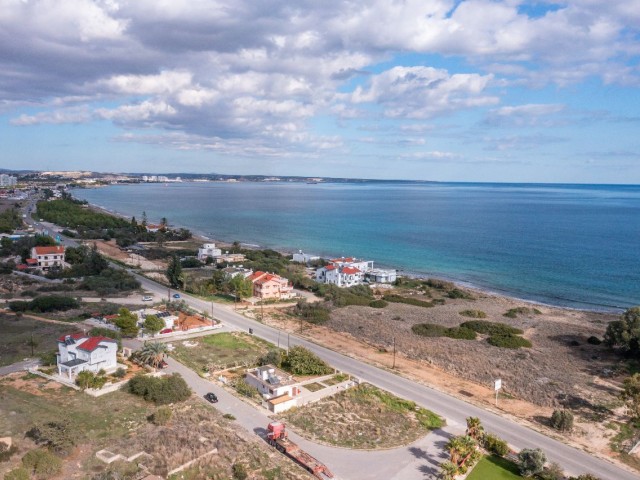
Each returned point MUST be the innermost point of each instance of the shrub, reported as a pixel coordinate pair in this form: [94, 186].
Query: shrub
[243, 388]
[19, 473]
[6, 452]
[439, 284]
[87, 379]
[161, 391]
[473, 314]
[531, 461]
[239, 471]
[42, 463]
[56, 436]
[508, 341]
[272, 357]
[300, 361]
[460, 333]
[514, 312]
[52, 303]
[48, 359]
[562, 420]
[428, 330]
[594, 340]
[552, 472]
[120, 373]
[457, 293]
[491, 328]
[229, 416]
[495, 445]
[378, 304]
[312, 312]
[161, 416]
[19, 306]
[110, 281]
[413, 301]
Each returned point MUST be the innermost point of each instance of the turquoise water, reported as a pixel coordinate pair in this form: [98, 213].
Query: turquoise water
[567, 245]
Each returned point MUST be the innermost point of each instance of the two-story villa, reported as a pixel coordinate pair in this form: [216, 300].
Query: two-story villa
[47, 257]
[78, 352]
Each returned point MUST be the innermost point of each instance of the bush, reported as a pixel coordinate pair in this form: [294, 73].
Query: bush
[412, 301]
[110, 281]
[439, 284]
[6, 452]
[473, 314]
[161, 391]
[562, 420]
[312, 312]
[460, 333]
[87, 379]
[161, 416]
[491, 328]
[272, 357]
[19, 473]
[457, 293]
[514, 312]
[244, 389]
[300, 361]
[594, 340]
[42, 463]
[48, 359]
[428, 330]
[508, 341]
[239, 471]
[52, 303]
[378, 304]
[19, 306]
[531, 461]
[495, 445]
[229, 416]
[56, 436]
[120, 373]
[552, 472]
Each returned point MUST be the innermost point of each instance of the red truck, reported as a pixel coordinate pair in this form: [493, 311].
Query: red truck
[277, 437]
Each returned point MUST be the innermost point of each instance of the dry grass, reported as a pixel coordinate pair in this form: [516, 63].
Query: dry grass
[363, 417]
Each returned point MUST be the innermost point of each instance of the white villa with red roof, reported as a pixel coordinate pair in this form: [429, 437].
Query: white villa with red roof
[78, 352]
[270, 285]
[47, 257]
[344, 272]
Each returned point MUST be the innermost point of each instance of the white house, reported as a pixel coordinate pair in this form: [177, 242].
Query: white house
[279, 390]
[233, 272]
[78, 352]
[301, 257]
[344, 272]
[208, 250]
[48, 257]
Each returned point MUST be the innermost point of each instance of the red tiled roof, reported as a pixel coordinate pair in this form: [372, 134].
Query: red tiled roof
[330, 267]
[256, 276]
[75, 336]
[350, 270]
[22, 266]
[32, 261]
[49, 250]
[343, 260]
[94, 342]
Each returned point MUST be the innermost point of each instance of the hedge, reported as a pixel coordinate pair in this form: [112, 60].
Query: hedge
[491, 328]
[508, 341]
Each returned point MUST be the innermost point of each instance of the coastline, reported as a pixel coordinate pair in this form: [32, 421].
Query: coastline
[476, 289]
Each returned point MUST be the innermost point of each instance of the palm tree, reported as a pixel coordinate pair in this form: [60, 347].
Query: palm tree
[448, 470]
[454, 447]
[474, 428]
[153, 353]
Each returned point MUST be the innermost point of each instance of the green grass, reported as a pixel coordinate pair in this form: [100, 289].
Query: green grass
[313, 387]
[494, 468]
[221, 350]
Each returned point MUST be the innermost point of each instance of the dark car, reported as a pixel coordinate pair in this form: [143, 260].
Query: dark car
[211, 397]
[176, 295]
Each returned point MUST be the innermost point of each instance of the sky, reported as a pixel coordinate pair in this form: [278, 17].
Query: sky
[471, 90]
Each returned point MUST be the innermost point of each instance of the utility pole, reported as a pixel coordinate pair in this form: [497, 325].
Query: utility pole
[212, 321]
[394, 354]
[278, 339]
[168, 295]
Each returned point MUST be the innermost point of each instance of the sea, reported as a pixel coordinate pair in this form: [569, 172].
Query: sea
[574, 246]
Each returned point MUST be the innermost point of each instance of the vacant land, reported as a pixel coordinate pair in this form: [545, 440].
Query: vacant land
[219, 351]
[119, 422]
[20, 334]
[494, 468]
[363, 417]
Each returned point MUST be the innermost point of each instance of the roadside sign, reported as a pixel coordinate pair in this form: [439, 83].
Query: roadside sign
[497, 384]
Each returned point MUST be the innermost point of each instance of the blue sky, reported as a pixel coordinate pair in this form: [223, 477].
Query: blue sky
[472, 90]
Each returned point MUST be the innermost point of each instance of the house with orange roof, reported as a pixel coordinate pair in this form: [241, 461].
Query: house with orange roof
[271, 286]
[78, 352]
[48, 257]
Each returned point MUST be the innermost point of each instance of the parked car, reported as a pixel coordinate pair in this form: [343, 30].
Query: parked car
[166, 330]
[211, 397]
[147, 298]
[176, 295]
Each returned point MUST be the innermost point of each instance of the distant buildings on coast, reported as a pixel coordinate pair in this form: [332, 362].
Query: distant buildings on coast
[8, 180]
[159, 179]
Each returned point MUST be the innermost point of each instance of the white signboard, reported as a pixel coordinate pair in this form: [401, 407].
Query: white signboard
[497, 385]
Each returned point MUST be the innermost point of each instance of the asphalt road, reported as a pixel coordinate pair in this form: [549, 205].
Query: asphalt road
[574, 461]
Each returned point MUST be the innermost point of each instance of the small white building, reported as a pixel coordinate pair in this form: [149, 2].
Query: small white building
[378, 275]
[208, 250]
[78, 352]
[301, 257]
[48, 257]
[169, 318]
[233, 272]
[271, 382]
